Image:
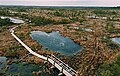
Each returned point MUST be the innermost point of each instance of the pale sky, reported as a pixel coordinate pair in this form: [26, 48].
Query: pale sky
[61, 2]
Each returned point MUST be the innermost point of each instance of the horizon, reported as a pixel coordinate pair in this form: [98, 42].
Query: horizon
[53, 6]
[82, 3]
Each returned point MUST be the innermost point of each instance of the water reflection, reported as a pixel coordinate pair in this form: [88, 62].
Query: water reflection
[26, 69]
[3, 63]
[55, 42]
[117, 40]
[13, 19]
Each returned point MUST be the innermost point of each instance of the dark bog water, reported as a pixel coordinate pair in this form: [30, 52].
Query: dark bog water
[25, 69]
[117, 40]
[2, 61]
[55, 42]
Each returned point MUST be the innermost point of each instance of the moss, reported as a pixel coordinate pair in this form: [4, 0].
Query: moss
[11, 53]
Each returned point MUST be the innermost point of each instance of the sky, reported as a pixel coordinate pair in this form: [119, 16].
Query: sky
[61, 2]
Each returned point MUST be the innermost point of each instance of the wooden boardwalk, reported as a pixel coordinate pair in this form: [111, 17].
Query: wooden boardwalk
[60, 65]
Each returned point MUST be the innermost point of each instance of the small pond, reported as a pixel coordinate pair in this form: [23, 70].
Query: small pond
[26, 69]
[117, 40]
[87, 29]
[13, 19]
[2, 62]
[55, 42]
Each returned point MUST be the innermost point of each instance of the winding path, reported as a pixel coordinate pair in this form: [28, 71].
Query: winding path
[64, 68]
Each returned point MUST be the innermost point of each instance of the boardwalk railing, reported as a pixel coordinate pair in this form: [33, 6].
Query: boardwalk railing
[64, 68]
[63, 65]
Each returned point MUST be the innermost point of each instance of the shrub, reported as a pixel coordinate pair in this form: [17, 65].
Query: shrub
[11, 53]
[112, 69]
[57, 13]
[63, 21]
[4, 22]
[42, 21]
[112, 45]
[109, 27]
